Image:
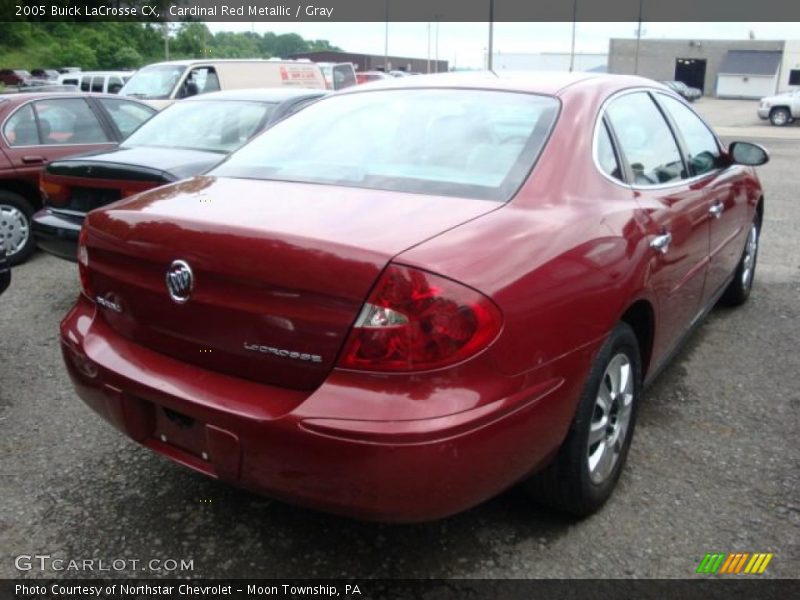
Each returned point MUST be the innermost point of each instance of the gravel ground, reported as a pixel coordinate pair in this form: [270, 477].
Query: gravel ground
[714, 465]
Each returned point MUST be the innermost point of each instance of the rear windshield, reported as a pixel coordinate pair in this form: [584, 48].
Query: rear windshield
[209, 125]
[466, 143]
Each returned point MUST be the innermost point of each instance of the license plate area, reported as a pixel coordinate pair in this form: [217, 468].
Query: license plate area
[181, 431]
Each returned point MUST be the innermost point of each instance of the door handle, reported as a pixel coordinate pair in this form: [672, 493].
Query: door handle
[661, 242]
[716, 209]
[32, 160]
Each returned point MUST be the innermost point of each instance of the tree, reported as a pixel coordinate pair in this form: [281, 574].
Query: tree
[126, 58]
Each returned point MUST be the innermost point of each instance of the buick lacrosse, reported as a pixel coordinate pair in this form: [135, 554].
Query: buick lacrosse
[412, 295]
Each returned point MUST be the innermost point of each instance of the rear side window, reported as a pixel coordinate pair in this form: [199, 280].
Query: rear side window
[127, 115]
[467, 143]
[606, 157]
[703, 152]
[69, 121]
[646, 140]
[97, 84]
[20, 129]
[86, 83]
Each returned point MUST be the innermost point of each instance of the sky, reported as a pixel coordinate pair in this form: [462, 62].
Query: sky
[464, 44]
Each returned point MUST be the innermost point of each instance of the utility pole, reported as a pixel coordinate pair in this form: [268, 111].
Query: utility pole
[429, 47]
[166, 41]
[491, 35]
[638, 39]
[386, 41]
[436, 53]
[572, 50]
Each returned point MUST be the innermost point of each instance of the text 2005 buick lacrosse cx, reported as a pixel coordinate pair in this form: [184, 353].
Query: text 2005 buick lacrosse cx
[410, 296]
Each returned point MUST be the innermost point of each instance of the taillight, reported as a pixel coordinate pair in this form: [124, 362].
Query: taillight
[53, 193]
[415, 321]
[83, 263]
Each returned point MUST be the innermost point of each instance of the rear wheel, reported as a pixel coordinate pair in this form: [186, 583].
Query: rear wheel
[738, 290]
[582, 476]
[780, 116]
[15, 227]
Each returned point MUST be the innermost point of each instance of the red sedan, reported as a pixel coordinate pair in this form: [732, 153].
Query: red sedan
[41, 127]
[399, 320]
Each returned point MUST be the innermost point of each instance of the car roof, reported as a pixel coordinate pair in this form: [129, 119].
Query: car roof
[213, 61]
[259, 94]
[19, 98]
[549, 83]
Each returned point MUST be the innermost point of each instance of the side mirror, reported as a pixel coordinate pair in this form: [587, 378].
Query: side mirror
[745, 153]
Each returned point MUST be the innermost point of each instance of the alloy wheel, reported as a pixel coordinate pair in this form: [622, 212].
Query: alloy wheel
[749, 259]
[14, 229]
[611, 418]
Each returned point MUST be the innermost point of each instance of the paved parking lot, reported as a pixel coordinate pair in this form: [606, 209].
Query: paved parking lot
[734, 118]
[715, 464]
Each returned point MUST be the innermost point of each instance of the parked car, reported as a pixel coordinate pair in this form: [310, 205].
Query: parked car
[781, 109]
[338, 75]
[183, 140]
[46, 74]
[40, 127]
[688, 93]
[5, 268]
[15, 77]
[101, 82]
[369, 76]
[161, 84]
[399, 320]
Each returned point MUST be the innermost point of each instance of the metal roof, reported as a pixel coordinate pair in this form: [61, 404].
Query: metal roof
[750, 62]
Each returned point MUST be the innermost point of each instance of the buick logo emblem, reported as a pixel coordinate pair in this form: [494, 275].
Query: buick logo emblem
[180, 281]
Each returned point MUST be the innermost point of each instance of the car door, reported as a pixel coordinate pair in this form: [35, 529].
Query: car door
[727, 209]
[675, 212]
[47, 129]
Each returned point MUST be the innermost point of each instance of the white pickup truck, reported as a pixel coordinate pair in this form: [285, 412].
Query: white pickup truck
[781, 109]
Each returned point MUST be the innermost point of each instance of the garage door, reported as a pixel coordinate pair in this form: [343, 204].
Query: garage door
[745, 86]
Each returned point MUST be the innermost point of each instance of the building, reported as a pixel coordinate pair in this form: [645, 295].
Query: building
[723, 68]
[375, 62]
[549, 61]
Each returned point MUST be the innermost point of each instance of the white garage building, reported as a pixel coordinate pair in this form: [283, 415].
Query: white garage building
[748, 74]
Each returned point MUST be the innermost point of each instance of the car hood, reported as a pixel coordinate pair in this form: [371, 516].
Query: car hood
[169, 163]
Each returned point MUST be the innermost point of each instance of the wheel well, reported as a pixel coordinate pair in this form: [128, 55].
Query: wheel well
[641, 319]
[786, 108]
[24, 189]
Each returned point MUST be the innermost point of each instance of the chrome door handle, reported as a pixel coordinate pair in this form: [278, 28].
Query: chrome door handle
[661, 242]
[716, 209]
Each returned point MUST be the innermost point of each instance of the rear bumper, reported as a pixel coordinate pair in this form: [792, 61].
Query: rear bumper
[57, 234]
[285, 443]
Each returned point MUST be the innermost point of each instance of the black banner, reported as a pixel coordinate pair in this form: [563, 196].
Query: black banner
[370, 589]
[403, 10]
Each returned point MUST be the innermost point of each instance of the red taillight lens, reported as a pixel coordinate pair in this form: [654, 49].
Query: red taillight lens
[53, 193]
[415, 321]
[83, 263]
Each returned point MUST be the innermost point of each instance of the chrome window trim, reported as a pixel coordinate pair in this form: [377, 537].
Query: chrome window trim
[31, 101]
[601, 113]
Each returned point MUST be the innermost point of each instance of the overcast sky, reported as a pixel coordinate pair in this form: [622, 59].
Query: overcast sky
[464, 44]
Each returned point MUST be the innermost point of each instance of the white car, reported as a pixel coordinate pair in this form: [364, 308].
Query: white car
[781, 109]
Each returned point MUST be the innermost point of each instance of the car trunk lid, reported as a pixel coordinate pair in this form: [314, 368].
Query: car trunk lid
[279, 270]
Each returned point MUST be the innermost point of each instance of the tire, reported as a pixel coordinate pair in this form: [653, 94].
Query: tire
[15, 227]
[780, 116]
[569, 483]
[738, 290]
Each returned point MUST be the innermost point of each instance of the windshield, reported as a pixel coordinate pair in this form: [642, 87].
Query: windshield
[466, 143]
[153, 82]
[208, 125]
